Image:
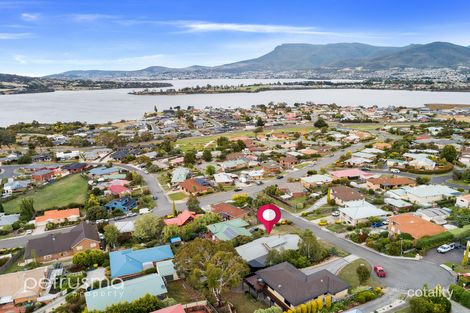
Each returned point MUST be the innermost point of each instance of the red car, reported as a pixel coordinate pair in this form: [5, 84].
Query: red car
[379, 270]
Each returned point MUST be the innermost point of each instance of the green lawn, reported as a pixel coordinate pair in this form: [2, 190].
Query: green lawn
[243, 302]
[177, 196]
[71, 189]
[337, 228]
[459, 182]
[348, 273]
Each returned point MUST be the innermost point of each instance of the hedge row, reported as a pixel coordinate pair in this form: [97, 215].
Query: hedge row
[438, 170]
[460, 295]
[434, 241]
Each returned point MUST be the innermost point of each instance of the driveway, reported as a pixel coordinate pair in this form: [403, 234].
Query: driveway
[454, 256]
[333, 266]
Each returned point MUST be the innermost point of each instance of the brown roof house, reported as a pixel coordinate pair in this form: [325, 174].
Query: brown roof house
[195, 186]
[271, 167]
[343, 194]
[414, 225]
[63, 245]
[228, 211]
[295, 190]
[286, 286]
[23, 286]
[389, 182]
[288, 161]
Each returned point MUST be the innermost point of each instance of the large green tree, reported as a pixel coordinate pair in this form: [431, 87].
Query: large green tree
[147, 227]
[111, 235]
[214, 266]
[310, 247]
[449, 153]
[27, 210]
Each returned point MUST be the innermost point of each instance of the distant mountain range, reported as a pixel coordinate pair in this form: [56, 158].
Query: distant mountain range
[304, 57]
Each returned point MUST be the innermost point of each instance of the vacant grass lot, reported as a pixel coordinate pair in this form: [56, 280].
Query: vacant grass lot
[177, 196]
[71, 189]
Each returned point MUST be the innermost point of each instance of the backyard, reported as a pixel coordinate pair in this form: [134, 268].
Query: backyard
[65, 191]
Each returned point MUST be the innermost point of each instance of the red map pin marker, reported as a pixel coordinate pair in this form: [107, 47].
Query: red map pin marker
[269, 215]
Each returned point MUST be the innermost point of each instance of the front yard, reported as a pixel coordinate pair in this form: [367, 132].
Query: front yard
[182, 292]
[65, 191]
[177, 196]
[349, 274]
[244, 302]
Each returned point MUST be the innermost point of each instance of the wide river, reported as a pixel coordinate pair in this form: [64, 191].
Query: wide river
[96, 106]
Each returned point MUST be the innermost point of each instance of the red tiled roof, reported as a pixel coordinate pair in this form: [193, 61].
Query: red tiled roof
[228, 209]
[182, 218]
[118, 189]
[414, 225]
[191, 185]
[57, 214]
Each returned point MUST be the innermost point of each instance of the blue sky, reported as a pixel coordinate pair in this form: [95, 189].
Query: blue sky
[45, 37]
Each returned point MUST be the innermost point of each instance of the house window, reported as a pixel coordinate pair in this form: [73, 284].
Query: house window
[92, 245]
[79, 247]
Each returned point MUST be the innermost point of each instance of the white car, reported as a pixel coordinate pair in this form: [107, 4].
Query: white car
[395, 170]
[335, 213]
[29, 232]
[446, 248]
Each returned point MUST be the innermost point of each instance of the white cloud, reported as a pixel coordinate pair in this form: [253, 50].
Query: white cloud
[30, 17]
[12, 36]
[197, 26]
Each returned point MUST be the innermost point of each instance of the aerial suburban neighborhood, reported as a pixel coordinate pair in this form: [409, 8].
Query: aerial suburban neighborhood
[132, 207]
[234, 156]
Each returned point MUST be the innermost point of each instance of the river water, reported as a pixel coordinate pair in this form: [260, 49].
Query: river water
[97, 106]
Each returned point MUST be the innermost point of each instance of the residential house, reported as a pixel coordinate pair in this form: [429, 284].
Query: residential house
[12, 186]
[129, 263]
[234, 165]
[343, 194]
[359, 211]
[252, 175]
[315, 180]
[413, 225]
[177, 308]
[62, 245]
[357, 161]
[382, 145]
[396, 163]
[294, 190]
[398, 204]
[228, 211]
[256, 252]
[179, 174]
[195, 186]
[125, 204]
[288, 161]
[279, 136]
[126, 291]
[286, 286]
[177, 162]
[43, 175]
[74, 168]
[118, 190]
[465, 156]
[57, 217]
[271, 167]
[353, 173]
[420, 161]
[228, 230]
[15, 290]
[67, 155]
[436, 215]
[223, 179]
[8, 219]
[182, 218]
[463, 201]
[385, 183]
[102, 171]
[428, 194]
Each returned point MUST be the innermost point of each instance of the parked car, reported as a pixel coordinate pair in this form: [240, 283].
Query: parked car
[259, 183]
[377, 224]
[379, 271]
[144, 211]
[395, 170]
[29, 232]
[238, 189]
[365, 169]
[155, 197]
[446, 248]
[131, 214]
[335, 213]
[280, 177]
